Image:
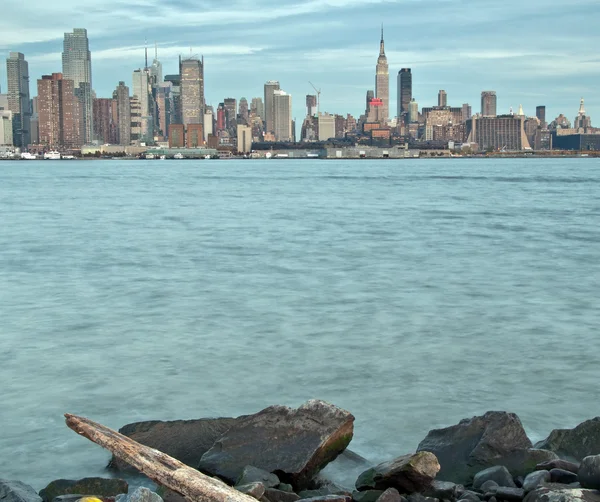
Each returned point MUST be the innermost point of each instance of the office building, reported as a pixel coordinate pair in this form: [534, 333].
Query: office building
[77, 66]
[244, 111]
[442, 98]
[230, 107]
[34, 123]
[135, 108]
[142, 90]
[413, 111]
[208, 123]
[194, 136]
[488, 103]
[105, 126]
[17, 72]
[176, 135]
[6, 128]
[467, 112]
[59, 111]
[540, 113]
[192, 90]
[244, 138]
[311, 105]
[257, 107]
[382, 81]
[404, 91]
[156, 70]
[175, 82]
[270, 87]
[504, 132]
[282, 115]
[582, 121]
[123, 105]
[4, 102]
[326, 126]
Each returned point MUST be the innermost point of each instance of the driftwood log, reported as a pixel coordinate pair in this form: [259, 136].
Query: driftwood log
[161, 468]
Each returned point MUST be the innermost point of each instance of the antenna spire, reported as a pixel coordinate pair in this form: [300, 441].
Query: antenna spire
[382, 32]
[146, 52]
[155, 50]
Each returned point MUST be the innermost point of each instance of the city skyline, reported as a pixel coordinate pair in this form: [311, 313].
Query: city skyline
[549, 63]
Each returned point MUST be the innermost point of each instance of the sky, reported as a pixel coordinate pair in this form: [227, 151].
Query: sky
[531, 52]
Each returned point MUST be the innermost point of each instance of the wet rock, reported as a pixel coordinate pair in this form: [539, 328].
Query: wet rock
[141, 494]
[444, 490]
[256, 489]
[274, 495]
[284, 487]
[558, 464]
[16, 491]
[489, 486]
[323, 488]
[509, 494]
[329, 498]
[496, 438]
[589, 472]
[552, 494]
[498, 473]
[185, 440]
[576, 443]
[251, 474]
[417, 497]
[169, 495]
[519, 481]
[390, 495]
[367, 495]
[562, 476]
[100, 487]
[536, 479]
[408, 474]
[294, 443]
[470, 495]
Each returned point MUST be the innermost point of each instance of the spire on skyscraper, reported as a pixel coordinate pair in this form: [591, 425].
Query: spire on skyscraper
[381, 44]
[581, 108]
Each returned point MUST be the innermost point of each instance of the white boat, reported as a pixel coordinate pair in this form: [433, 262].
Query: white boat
[207, 157]
[163, 157]
[52, 155]
[28, 156]
[150, 156]
[68, 157]
[178, 156]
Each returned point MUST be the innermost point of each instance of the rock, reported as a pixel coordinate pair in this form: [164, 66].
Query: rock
[367, 495]
[390, 495]
[185, 440]
[296, 444]
[251, 474]
[562, 476]
[509, 494]
[417, 497]
[256, 489]
[576, 443]
[444, 490]
[589, 472]
[496, 438]
[16, 491]
[141, 494]
[519, 481]
[551, 494]
[470, 495]
[329, 498]
[100, 487]
[408, 474]
[274, 495]
[498, 473]
[169, 495]
[558, 464]
[490, 486]
[536, 479]
[68, 498]
[324, 488]
[284, 487]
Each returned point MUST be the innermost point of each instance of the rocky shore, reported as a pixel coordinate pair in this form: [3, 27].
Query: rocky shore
[277, 455]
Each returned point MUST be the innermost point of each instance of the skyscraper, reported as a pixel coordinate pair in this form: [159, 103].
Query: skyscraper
[413, 111]
[77, 66]
[105, 127]
[488, 103]
[17, 71]
[540, 113]
[191, 71]
[244, 113]
[156, 71]
[59, 110]
[382, 81]
[6, 127]
[311, 105]
[121, 94]
[282, 115]
[230, 105]
[34, 124]
[404, 91]
[258, 108]
[270, 87]
[466, 112]
[442, 98]
[142, 90]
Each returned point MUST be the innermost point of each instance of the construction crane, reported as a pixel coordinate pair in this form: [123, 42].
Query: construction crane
[318, 91]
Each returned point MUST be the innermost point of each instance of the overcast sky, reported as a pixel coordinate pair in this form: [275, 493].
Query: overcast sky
[530, 52]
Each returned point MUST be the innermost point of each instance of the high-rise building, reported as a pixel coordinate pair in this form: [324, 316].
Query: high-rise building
[175, 81]
[258, 108]
[270, 87]
[77, 66]
[504, 132]
[143, 91]
[34, 123]
[404, 91]
[176, 136]
[540, 113]
[244, 112]
[442, 98]
[467, 112]
[326, 126]
[156, 70]
[221, 120]
[488, 103]
[6, 128]
[208, 123]
[60, 115]
[121, 95]
[4, 102]
[194, 136]
[413, 111]
[244, 138]
[17, 71]
[282, 115]
[135, 134]
[582, 121]
[105, 127]
[382, 81]
[230, 105]
[191, 72]
[370, 96]
[311, 105]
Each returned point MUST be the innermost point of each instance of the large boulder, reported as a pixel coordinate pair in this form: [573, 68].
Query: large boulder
[499, 474]
[574, 444]
[16, 491]
[496, 438]
[251, 474]
[589, 472]
[101, 487]
[535, 480]
[408, 474]
[185, 440]
[555, 494]
[295, 444]
[565, 465]
[140, 494]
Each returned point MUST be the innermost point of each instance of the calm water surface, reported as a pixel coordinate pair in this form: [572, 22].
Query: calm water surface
[412, 293]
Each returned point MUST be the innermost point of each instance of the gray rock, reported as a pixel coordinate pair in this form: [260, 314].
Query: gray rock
[16, 491]
[509, 494]
[390, 495]
[519, 481]
[576, 443]
[184, 440]
[256, 489]
[274, 495]
[553, 494]
[169, 495]
[69, 498]
[496, 438]
[141, 494]
[408, 474]
[470, 495]
[329, 498]
[323, 488]
[251, 474]
[444, 490]
[284, 487]
[536, 479]
[296, 444]
[100, 487]
[417, 497]
[589, 472]
[558, 464]
[562, 476]
[490, 486]
[498, 473]
[367, 495]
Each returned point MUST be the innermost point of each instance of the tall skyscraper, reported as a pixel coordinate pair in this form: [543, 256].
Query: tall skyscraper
[6, 127]
[270, 87]
[175, 81]
[540, 113]
[413, 111]
[60, 115]
[442, 98]
[466, 112]
[143, 91]
[244, 112]
[156, 70]
[77, 66]
[121, 95]
[230, 105]
[105, 127]
[191, 71]
[404, 91]
[258, 108]
[382, 81]
[488, 103]
[17, 71]
[311, 105]
[282, 115]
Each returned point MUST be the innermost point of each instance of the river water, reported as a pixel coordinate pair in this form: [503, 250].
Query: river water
[412, 293]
